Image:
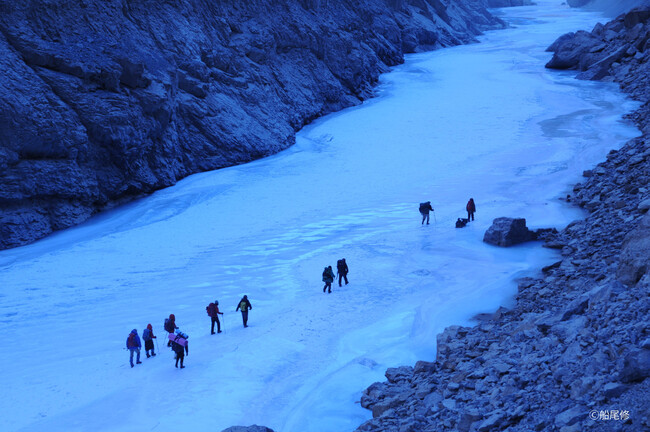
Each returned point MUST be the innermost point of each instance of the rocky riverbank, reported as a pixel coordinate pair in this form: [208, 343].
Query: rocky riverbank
[104, 101]
[574, 353]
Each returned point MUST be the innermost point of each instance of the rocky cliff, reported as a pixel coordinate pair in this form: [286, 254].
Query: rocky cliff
[574, 353]
[104, 101]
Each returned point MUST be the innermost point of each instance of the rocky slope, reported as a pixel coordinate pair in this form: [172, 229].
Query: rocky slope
[574, 353]
[103, 101]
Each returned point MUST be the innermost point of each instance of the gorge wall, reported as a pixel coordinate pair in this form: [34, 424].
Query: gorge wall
[574, 353]
[104, 101]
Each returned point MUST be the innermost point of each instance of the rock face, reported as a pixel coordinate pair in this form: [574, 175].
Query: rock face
[617, 51]
[507, 232]
[104, 101]
[578, 338]
[254, 428]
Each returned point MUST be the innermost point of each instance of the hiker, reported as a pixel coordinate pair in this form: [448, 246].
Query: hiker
[244, 305]
[471, 209]
[148, 337]
[425, 208]
[133, 345]
[170, 326]
[180, 346]
[461, 222]
[342, 270]
[328, 278]
[213, 312]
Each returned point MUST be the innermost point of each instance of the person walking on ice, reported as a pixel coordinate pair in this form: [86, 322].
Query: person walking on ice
[213, 312]
[342, 270]
[133, 345]
[148, 337]
[328, 278]
[170, 326]
[180, 346]
[425, 208]
[244, 305]
[471, 209]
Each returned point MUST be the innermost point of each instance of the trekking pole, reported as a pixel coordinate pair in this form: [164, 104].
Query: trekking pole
[434, 217]
[157, 349]
[224, 321]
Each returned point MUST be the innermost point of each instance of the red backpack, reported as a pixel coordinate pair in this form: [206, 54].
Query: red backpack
[210, 309]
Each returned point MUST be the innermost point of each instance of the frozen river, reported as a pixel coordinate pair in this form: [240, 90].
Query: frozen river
[485, 121]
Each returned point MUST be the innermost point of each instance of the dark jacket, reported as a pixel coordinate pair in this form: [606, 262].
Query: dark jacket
[244, 305]
[342, 267]
[328, 275]
[425, 208]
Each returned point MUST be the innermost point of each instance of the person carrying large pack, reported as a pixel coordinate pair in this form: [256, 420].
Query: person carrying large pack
[213, 312]
[170, 325]
[328, 278]
[244, 305]
[425, 208]
[180, 346]
[342, 270]
[133, 344]
[148, 337]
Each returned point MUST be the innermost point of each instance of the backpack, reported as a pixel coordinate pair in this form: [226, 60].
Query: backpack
[423, 207]
[146, 334]
[168, 326]
[210, 309]
[131, 341]
[461, 222]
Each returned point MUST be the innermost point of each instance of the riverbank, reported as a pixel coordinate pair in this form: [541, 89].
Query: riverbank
[574, 351]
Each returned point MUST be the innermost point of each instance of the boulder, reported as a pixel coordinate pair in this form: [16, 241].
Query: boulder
[253, 428]
[507, 231]
[634, 261]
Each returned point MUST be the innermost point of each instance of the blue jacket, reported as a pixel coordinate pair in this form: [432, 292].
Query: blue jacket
[146, 334]
[136, 340]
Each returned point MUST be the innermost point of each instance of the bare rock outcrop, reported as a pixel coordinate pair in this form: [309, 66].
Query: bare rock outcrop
[104, 101]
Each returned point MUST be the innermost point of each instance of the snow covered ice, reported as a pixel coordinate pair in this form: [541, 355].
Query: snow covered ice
[485, 121]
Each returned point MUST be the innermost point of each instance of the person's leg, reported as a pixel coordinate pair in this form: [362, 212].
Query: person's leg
[138, 358]
[340, 277]
[346, 278]
[212, 328]
[218, 325]
[182, 358]
[325, 287]
[131, 357]
[177, 357]
[329, 287]
[424, 216]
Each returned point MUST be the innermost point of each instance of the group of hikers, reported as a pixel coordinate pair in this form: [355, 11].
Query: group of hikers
[177, 340]
[328, 274]
[426, 207]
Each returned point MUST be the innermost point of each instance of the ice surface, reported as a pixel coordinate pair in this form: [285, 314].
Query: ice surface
[485, 121]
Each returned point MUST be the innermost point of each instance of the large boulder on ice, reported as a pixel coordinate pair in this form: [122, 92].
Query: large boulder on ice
[254, 428]
[507, 231]
[571, 48]
[634, 262]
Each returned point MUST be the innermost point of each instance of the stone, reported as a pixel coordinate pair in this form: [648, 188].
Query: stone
[613, 390]
[571, 416]
[644, 206]
[636, 366]
[253, 428]
[507, 231]
[634, 261]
